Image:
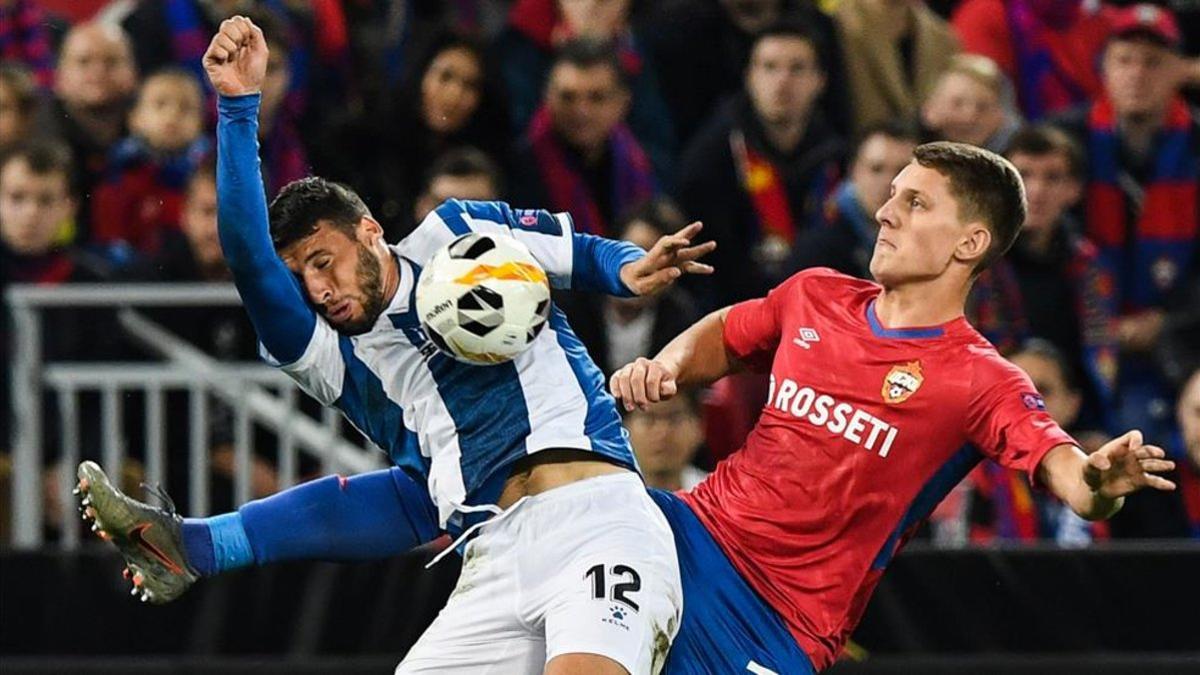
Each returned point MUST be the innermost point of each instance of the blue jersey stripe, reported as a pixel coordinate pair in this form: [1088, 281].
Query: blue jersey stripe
[603, 423]
[935, 489]
[899, 333]
[367, 405]
[487, 403]
[451, 215]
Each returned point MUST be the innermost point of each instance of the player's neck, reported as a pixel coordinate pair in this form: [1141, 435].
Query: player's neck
[920, 304]
[391, 278]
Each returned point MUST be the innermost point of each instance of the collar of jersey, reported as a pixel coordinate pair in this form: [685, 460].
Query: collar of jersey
[405, 299]
[918, 333]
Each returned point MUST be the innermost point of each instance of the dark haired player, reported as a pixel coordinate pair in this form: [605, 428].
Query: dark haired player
[528, 455]
[882, 398]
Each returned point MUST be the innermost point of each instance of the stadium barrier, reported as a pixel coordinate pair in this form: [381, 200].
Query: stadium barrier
[1109, 609]
[257, 394]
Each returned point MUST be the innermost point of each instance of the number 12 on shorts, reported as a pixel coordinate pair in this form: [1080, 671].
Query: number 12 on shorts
[625, 580]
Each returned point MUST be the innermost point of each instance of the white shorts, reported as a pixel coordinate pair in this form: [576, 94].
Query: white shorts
[589, 567]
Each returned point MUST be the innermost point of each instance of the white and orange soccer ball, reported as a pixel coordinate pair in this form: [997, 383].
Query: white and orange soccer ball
[483, 298]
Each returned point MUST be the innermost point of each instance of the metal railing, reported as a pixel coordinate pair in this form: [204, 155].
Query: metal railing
[256, 395]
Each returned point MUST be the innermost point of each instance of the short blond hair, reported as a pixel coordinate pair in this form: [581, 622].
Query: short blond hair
[980, 69]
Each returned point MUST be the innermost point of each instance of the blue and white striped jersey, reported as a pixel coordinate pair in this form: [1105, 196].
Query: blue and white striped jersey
[463, 426]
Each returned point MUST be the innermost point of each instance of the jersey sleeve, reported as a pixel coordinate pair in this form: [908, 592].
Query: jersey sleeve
[753, 327]
[282, 319]
[571, 260]
[1007, 418]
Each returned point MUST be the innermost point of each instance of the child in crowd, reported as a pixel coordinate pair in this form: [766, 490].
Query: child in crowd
[146, 180]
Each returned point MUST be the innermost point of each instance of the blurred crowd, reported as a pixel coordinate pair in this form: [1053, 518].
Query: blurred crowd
[778, 123]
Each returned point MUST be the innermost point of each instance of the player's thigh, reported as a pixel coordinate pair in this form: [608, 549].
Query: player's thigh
[584, 664]
[479, 630]
[616, 590]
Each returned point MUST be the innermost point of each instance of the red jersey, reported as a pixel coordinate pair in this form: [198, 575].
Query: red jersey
[864, 431]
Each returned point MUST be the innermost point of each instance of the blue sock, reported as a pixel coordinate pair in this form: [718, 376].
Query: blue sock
[216, 544]
[372, 515]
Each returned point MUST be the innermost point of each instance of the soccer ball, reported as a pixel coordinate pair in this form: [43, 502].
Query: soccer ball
[483, 298]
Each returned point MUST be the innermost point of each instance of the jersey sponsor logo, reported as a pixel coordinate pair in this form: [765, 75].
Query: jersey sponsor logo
[839, 418]
[1033, 401]
[901, 382]
[807, 336]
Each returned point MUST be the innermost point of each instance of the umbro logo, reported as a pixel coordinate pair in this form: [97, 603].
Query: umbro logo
[806, 338]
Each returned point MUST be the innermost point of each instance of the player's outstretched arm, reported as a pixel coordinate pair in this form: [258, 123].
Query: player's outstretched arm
[696, 356]
[573, 260]
[1095, 485]
[236, 63]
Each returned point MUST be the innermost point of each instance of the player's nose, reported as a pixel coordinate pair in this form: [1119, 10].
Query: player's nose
[885, 216]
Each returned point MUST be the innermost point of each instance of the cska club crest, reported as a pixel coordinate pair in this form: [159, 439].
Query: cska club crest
[901, 382]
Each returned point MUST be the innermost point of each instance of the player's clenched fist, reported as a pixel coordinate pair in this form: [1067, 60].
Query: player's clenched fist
[643, 382]
[236, 60]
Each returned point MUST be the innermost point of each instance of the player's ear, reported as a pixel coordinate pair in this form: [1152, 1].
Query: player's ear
[974, 244]
[369, 230]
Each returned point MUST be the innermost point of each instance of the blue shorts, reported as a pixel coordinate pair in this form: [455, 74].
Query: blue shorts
[727, 627]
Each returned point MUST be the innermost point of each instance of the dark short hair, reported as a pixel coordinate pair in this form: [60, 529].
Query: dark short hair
[1040, 140]
[19, 79]
[1045, 349]
[300, 207]
[660, 213]
[591, 53]
[44, 157]
[463, 162]
[274, 28]
[795, 28]
[988, 188]
[894, 129]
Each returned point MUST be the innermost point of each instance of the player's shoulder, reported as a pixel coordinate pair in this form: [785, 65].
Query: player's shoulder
[824, 285]
[990, 370]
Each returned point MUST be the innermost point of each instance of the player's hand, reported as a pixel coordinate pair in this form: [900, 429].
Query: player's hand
[643, 382]
[670, 258]
[1124, 465]
[236, 60]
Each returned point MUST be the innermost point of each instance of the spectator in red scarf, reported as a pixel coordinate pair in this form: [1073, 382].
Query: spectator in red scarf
[1143, 169]
[537, 28]
[18, 103]
[93, 87]
[1049, 48]
[578, 155]
[1066, 294]
[143, 191]
[762, 169]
